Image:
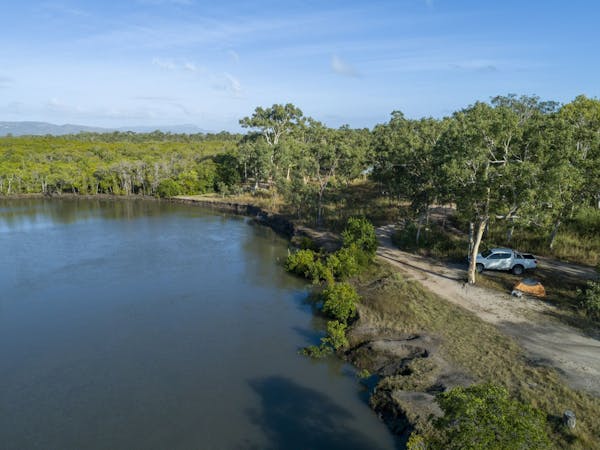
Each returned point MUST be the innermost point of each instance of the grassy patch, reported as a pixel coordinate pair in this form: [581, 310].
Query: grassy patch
[395, 305]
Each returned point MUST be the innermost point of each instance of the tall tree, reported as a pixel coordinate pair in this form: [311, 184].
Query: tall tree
[404, 160]
[476, 153]
[275, 123]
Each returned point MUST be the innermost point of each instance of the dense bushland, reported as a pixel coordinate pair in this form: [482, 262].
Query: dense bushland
[516, 169]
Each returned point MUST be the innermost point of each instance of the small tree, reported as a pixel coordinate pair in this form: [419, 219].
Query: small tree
[485, 417]
[589, 299]
[360, 232]
[339, 301]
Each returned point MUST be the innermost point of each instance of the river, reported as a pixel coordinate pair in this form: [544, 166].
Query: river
[130, 324]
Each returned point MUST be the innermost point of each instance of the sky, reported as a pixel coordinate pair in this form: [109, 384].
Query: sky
[167, 62]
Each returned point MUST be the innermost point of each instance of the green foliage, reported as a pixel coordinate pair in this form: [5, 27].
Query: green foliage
[317, 351]
[301, 262]
[361, 232]
[336, 335]
[589, 299]
[586, 222]
[169, 188]
[115, 163]
[346, 262]
[308, 264]
[486, 417]
[333, 341]
[433, 241]
[339, 301]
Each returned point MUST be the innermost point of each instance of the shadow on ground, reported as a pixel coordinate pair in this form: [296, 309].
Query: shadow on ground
[296, 417]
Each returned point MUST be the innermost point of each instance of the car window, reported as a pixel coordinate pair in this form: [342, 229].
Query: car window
[504, 255]
[496, 256]
[518, 255]
[486, 253]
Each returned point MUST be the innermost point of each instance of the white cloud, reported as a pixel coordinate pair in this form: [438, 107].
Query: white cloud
[169, 64]
[339, 66]
[190, 67]
[234, 84]
[164, 63]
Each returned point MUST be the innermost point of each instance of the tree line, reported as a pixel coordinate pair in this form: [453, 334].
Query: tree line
[519, 161]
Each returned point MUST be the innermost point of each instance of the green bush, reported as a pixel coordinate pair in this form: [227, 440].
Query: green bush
[301, 262]
[345, 263]
[335, 340]
[317, 351]
[589, 299]
[168, 188]
[485, 417]
[361, 232]
[320, 272]
[336, 335]
[307, 264]
[339, 301]
[586, 222]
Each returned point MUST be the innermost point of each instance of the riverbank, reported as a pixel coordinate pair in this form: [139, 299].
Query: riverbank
[414, 344]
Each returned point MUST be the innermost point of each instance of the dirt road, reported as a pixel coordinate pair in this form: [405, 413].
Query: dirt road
[545, 339]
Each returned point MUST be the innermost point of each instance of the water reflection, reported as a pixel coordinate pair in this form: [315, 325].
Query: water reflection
[297, 417]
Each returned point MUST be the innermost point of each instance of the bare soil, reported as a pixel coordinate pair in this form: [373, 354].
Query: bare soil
[533, 323]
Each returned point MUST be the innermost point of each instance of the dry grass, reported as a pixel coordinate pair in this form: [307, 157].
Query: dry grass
[395, 305]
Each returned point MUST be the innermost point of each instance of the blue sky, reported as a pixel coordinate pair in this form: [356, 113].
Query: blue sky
[166, 62]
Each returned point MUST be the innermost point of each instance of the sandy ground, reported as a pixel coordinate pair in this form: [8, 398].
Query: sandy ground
[532, 322]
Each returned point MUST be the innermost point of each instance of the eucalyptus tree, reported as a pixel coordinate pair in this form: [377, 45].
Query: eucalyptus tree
[572, 164]
[526, 147]
[327, 155]
[404, 159]
[476, 153]
[583, 117]
[255, 156]
[274, 124]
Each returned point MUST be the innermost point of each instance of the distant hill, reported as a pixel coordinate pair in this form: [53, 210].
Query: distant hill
[44, 128]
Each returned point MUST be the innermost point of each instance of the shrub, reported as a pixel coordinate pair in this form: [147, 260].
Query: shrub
[361, 232]
[307, 264]
[335, 339]
[319, 272]
[317, 351]
[300, 262]
[589, 299]
[336, 335]
[339, 301]
[345, 263]
[168, 188]
[485, 417]
[587, 222]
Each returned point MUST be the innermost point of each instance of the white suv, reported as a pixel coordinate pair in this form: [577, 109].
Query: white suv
[505, 259]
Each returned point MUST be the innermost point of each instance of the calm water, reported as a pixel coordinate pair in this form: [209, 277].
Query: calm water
[145, 325]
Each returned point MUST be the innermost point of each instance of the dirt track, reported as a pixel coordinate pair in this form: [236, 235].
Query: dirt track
[545, 339]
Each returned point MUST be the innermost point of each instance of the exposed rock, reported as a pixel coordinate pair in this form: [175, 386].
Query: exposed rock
[569, 419]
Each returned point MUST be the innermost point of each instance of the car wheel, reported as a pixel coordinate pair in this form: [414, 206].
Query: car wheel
[479, 268]
[518, 269]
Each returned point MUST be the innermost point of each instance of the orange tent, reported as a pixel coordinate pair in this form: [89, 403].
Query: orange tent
[531, 287]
